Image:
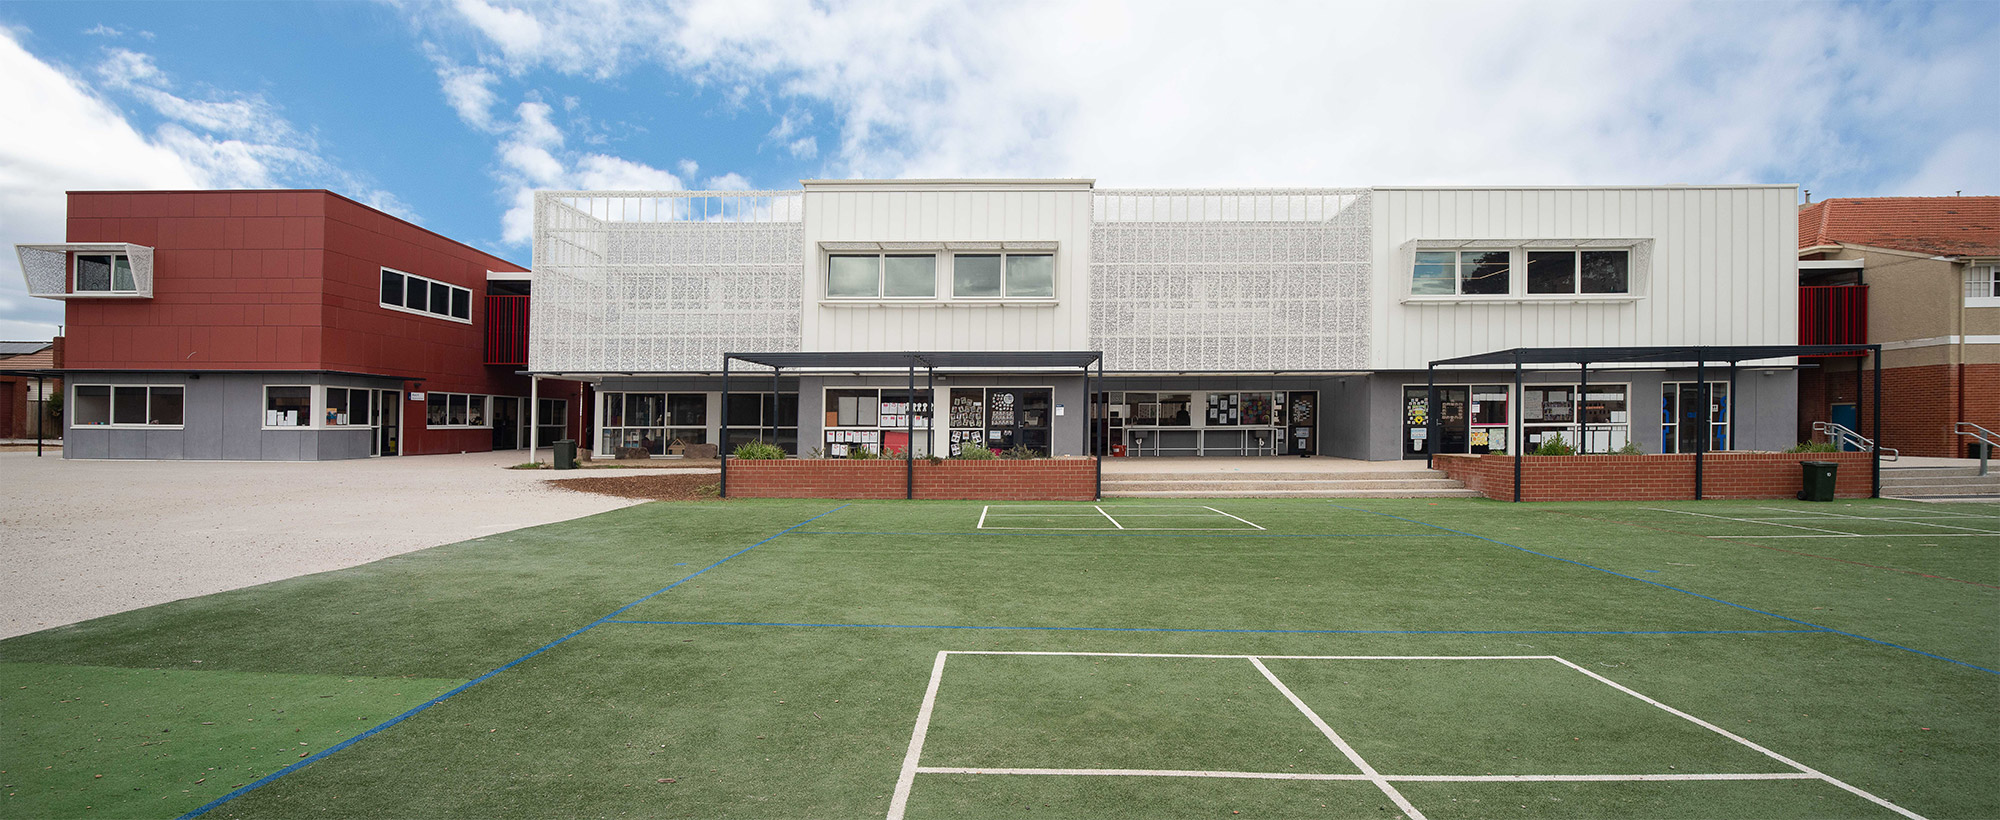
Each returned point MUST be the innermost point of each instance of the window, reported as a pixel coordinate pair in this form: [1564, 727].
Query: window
[410, 293]
[753, 416]
[1009, 276]
[877, 420]
[1471, 273]
[658, 423]
[289, 406]
[881, 275]
[1681, 416]
[105, 273]
[456, 411]
[1552, 272]
[1982, 285]
[347, 406]
[99, 405]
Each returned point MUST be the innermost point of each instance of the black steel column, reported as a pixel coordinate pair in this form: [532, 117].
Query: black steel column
[910, 428]
[1100, 456]
[774, 406]
[1875, 469]
[1430, 415]
[1520, 433]
[1729, 410]
[1582, 389]
[1706, 401]
[722, 450]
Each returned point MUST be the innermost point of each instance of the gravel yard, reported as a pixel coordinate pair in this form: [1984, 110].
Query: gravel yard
[82, 539]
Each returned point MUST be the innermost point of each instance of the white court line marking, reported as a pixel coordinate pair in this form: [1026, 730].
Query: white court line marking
[1745, 521]
[1397, 778]
[1265, 657]
[1352, 756]
[1044, 515]
[1212, 509]
[1879, 535]
[982, 516]
[1745, 741]
[1918, 523]
[1107, 517]
[900, 801]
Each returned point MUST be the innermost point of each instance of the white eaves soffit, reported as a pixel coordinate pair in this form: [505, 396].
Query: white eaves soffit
[47, 269]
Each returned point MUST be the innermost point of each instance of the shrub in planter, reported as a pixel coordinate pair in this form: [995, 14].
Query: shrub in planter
[1023, 452]
[759, 451]
[1631, 448]
[857, 453]
[1553, 445]
[974, 452]
[1814, 447]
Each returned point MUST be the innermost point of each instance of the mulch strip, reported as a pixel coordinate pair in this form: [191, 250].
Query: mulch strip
[670, 487]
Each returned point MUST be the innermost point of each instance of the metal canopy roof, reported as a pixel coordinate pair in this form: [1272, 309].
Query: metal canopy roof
[1672, 353]
[933, 360]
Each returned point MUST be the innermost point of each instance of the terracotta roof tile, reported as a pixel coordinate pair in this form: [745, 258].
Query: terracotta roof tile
[1944, 225]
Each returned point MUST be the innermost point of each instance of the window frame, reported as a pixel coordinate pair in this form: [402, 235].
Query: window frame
[1988, 282]
[71, 405]
[486, 415]
[313, 400]
[881, 258]
[1055, 276]
[326, 407]
[430, 308]
[1458, 266]
[76, 274]
[1575, 272]
[1520, 289]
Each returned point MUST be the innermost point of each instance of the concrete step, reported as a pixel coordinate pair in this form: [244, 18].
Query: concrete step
[1437, 493]
[1278, 476]
[1312, 484]
[1934, 490]
[1902, 472]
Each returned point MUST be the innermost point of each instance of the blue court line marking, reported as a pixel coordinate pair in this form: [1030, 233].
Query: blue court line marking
[1257, 631]
[1098, 534]
[260, 782]
[1877, 641]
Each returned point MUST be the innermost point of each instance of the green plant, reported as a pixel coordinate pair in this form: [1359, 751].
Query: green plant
[759, 451]
[528, 465]
[856, 452]
[1814, 447]
[813, 452]
[933, 458]
[974, 452]
[1022, 452]
[1553, 445]
[1631, 448]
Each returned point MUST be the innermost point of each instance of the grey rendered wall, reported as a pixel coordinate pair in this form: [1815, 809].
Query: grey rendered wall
[222, 419]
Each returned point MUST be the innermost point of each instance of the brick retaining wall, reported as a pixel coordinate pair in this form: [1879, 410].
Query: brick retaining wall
[1047, 479]
[1652, 477]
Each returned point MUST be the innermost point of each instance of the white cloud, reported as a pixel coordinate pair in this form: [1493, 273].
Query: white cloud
[532, 157]
[727, 182]
[687, 167]
[469, 90]
[1192, 93]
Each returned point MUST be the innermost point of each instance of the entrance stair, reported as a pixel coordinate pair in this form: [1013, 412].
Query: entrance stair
[1931, 483]
[1398, 483]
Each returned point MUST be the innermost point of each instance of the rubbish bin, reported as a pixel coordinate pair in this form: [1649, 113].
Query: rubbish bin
[1818, 480]
[566, 454]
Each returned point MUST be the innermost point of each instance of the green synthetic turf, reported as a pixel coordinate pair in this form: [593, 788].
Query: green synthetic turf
[814, 721]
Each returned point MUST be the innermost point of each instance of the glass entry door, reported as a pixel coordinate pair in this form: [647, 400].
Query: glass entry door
[1019, 417]
[1453, 422]
[388, 424]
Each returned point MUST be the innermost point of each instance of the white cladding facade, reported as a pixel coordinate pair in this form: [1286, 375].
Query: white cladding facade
[1162, 281]
[1709, 266]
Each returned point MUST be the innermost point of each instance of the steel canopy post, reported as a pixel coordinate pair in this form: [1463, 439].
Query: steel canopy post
[774, 405]
[722, 451]
[910, 443]
[42, 390]
[1430, 414]
[1582, 390]
[1520, 431]
[1706, 400]
[1875, 468]
[1107, 444]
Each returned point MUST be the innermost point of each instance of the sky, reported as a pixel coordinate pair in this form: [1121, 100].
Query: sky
[450, 113]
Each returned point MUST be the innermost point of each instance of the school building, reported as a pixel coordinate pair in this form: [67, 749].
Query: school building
[907, 315]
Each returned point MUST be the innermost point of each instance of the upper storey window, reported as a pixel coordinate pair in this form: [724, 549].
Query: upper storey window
[1003, 276]
[1471, 273]
[410, 293]
[104, 273]
[1982, 285]
[873, 276]
[1579, 272]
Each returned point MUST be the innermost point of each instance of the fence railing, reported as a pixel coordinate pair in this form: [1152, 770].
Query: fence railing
[1844, 438]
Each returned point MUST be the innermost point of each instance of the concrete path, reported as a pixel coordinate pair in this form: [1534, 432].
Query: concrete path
[82, 539]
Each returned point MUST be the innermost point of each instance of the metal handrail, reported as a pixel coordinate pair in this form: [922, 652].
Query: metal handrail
[1839, 435]
[1966, 428]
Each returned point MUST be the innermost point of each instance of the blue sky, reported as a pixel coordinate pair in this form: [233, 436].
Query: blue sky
[449, 113]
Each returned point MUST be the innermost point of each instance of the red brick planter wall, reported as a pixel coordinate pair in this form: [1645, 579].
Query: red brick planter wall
[1652, 477]
[1049, 479]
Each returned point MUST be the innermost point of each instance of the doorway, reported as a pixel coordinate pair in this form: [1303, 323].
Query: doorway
[1453, 422]
[1018, 417]
[1303, 419]
[506, 422]
[1846, 415]
[388, 423]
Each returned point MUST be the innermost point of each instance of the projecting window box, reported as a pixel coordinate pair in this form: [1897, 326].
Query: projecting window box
[1572, 271]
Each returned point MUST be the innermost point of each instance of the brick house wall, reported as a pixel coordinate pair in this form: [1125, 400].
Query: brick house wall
[1924, 402]
[1653, 477]
[1055, 479]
